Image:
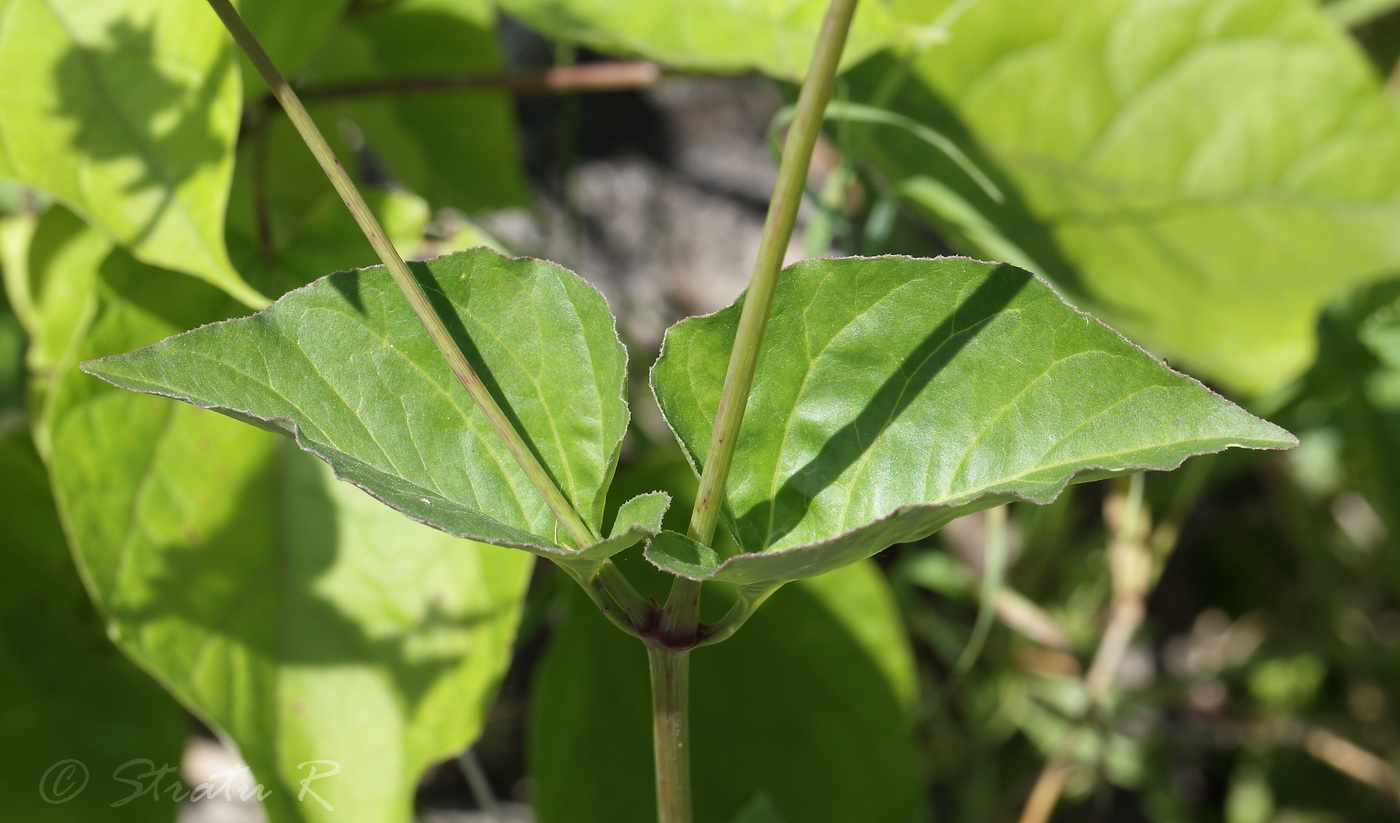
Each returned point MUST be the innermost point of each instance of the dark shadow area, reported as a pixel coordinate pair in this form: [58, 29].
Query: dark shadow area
[795, 706]
[558, 131]
[916, 370]
[66, 693]
[119, 99]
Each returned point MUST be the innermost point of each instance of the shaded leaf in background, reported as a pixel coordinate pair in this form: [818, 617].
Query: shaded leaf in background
[811, 705]
[65, 692]
[1354, 392]
[774, 36]
[895, 394]
[295, 614]
[289, 32]
[453, 148]
[1210, 171]
[345, 367]
[287, 226]
[127, 112]
[12, 346]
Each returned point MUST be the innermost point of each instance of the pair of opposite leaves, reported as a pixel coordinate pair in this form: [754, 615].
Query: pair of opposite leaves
[892, 395]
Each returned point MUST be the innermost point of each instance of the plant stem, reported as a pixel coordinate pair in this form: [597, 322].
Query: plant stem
[670, 696]
[738, 614]
[777, 231]
[680, 619]
[1130, 564]
[590, 77]
[611, 581]
[563, 510]
[682, 612]
[479, 785]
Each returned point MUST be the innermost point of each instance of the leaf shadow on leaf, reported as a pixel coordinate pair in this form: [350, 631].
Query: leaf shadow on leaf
[349, 288]
[134, 125]
[768, 522]
[281, 617]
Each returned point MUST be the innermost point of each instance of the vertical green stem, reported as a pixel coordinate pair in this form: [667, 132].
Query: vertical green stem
[563, 510]
[670, 696]
[682, 612]
[680, 619]
[777, 231]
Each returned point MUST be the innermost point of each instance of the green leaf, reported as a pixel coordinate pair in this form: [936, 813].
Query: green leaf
[1355, 387]
[1208, 173]
[11, 367]
[273, 602]
[1359, 12]
[287, 226]
[289, 32]
[681, 555]
[637, 519]
[761, 810]
[774, 36]
[820, 682]
[895, 394]
[50, 270]
[344, 367]
[127, 112]
[66, 694]
[453, 148]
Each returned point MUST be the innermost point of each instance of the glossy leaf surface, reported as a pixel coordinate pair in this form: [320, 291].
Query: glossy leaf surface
[894, 394]
[272, 601]
[127, 112]
[1206, 172]
[775, 36]
[824, 670]
[345, 367]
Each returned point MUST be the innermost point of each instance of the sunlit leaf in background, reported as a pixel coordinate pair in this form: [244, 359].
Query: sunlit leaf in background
[127, 112]
[67, 696]
[1205, 173]
[775, 36]
[272, 601]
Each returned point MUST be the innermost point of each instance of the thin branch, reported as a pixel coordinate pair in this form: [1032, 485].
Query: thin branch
[262, 206]
[589, 77]
[480, 786]
[1131, 568]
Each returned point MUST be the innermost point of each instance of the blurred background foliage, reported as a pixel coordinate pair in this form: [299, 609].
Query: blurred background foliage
[1218, 179]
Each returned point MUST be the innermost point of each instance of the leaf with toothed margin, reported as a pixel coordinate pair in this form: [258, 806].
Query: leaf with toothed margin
[344, 367]
[682, 556]
[895, 394]
[1208, 174]
[637, 519]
